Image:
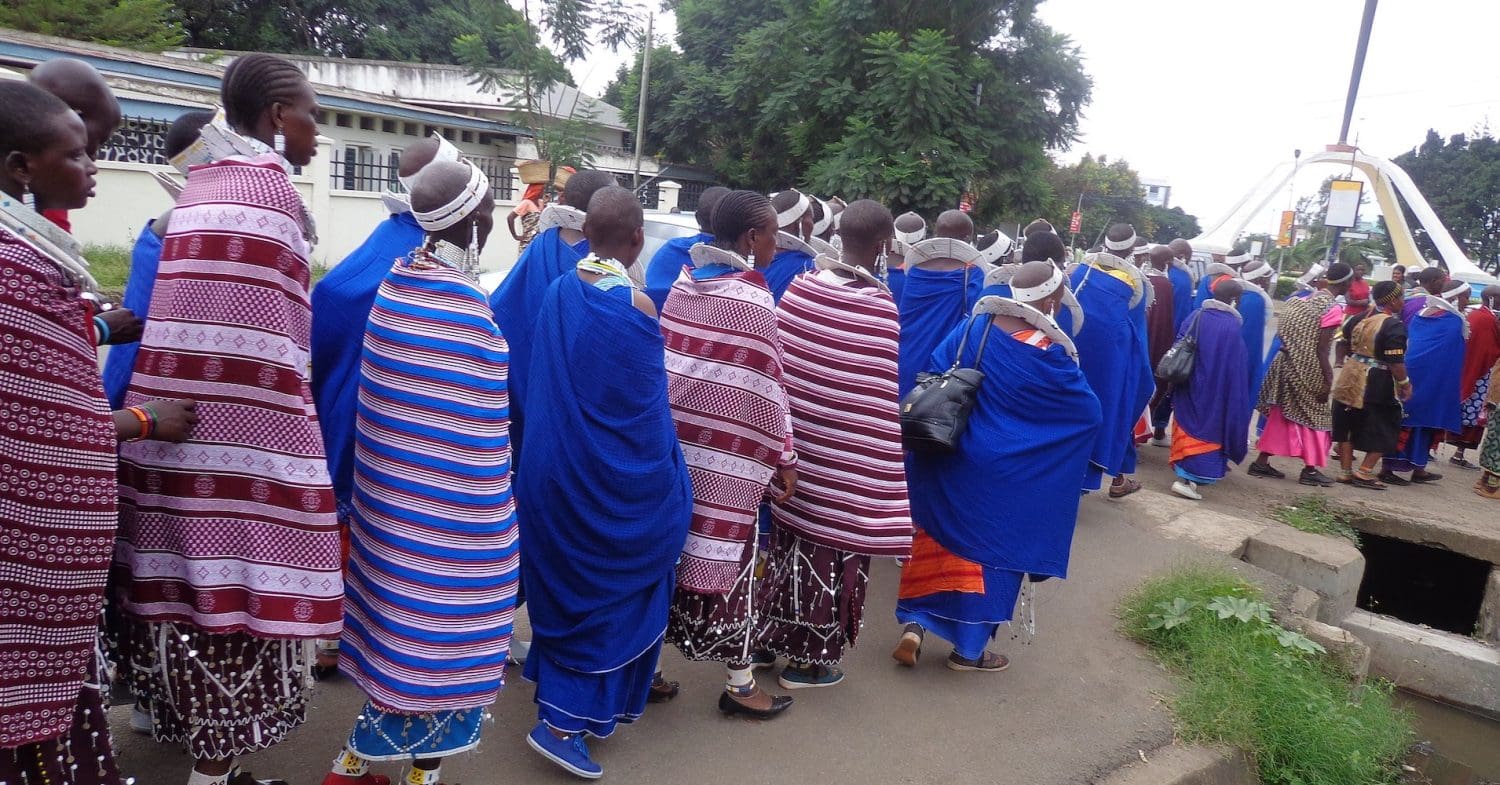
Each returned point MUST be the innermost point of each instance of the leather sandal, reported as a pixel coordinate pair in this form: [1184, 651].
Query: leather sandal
[731, 705]
[662, 690]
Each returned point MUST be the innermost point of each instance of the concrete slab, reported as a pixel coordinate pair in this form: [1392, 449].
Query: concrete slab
[1213, 531]
[1489, 610]
[1185, 765]
[1305, 603]
[1443, 526]
[1154, 508]
[1351, 653]
[1330, 566]
[1451, 668]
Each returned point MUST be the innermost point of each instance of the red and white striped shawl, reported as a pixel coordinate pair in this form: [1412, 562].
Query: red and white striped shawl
[724, 384]
[234, 530]
[57, 495]
[840, 345]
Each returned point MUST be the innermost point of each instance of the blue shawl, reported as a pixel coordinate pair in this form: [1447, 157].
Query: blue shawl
[1182, 295]
[932, 304]
[1435, 364]
[1214, 404]
[786, 265]
[341, 305]
[518, 300]
[1253, 308]
[1007, 498]
[1113, 354]
[603, 488]
[667, 264]
[120, 362]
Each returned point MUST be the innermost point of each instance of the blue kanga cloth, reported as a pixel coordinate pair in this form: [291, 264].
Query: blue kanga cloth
[593, 703]
[1253, 309]
[120, 363]
[786, 265]
[1213, 405]
[1413, 450]
[1114, 356]
[1182, 295]
[1435, 365]
[895, 278]
[517, 302]
[603, 488]
[340, 310]
[381, 735]
[667, 264]
[966, 619]
[932, 304]
[1007, 498]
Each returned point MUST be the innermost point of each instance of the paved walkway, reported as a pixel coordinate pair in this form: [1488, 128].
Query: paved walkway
[1077, 702]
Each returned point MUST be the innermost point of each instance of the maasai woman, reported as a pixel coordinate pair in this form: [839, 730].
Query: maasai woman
[734, 424]
[1488, 484]
[529, 211]
[839, 335]
[433, 573]
[1211, 412]
[910, 230]
[1480, 354]
[1294, 395]
[672, 258]
[608, 494]
[220, 627]
[1369, 388]
[1435, 360]
[942, 282]
[792, 255]
[57, 458]
[978, 538]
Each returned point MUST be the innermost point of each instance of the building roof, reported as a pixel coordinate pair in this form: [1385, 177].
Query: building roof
[25, 50]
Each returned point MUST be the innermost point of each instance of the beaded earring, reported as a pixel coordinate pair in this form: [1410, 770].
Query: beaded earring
[27, 197]
[279, 142]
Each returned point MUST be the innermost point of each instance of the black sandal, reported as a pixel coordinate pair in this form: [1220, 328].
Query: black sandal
[1426, 477]
[1368, 483]
[662, 690]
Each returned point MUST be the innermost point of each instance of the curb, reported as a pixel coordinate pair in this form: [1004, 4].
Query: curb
[1185, 765]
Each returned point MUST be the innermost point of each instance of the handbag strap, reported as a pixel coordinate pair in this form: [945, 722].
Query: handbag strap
[958, 357]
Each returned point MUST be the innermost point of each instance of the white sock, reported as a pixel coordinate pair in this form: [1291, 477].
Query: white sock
[349, 764]
[199, 778]
[740, 678]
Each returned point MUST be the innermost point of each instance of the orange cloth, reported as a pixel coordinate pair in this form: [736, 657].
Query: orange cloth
[1185, 446]
[932, 569]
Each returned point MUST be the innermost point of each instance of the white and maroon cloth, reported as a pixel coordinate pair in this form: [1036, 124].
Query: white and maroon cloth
[724, 384]
[57, 494]
[840, 345]
[235, 529]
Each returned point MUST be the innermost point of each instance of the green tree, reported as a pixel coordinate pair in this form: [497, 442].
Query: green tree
[1110, 191]
[1460, 177]
[625, 92]
[1169, 223]
[915, 103]
[147, 25]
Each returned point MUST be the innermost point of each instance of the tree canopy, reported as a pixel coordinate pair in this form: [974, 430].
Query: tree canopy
[1460, 177]
[910, 103]
[1110, 191]
[148, 25]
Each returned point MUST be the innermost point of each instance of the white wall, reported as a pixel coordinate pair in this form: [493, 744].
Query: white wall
[127, 196]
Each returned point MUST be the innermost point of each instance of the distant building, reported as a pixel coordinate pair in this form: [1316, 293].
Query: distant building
[1156, 192]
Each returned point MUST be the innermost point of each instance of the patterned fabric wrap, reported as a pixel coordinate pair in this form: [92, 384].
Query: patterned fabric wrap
[229, 328]
[1294, 379]
[434, 567]
[841, 345]
[57, 495]
[1349, 385]
[724, 380]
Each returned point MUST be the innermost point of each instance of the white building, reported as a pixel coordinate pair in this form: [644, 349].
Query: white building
[1156, 192]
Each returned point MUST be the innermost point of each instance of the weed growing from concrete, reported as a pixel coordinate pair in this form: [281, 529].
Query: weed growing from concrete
[1248, 682]
[1317, 515]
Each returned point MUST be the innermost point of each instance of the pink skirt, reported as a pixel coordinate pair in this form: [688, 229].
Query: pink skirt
[1284, 437]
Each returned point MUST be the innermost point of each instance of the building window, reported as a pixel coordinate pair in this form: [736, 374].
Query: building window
[467, 136]
[343, 120]
[388, 126]
[450, 135]
[323, 117]
[366, 123]
[138, 140]
[393, 173]
[410, 129]
[359, 170]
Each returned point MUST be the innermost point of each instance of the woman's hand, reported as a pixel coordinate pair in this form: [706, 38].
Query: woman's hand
[124, 326]
[784, 484]
[174, 419]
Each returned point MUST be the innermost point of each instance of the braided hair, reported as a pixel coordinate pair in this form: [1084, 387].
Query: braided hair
[739, 212]
[254, 83]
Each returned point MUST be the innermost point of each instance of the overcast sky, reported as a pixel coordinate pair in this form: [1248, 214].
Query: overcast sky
[1208, 95]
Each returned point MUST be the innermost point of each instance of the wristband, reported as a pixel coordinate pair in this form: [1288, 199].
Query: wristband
[101, 327]
[146, 420]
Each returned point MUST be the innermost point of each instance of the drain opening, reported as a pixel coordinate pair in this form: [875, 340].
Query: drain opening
[1421, 584]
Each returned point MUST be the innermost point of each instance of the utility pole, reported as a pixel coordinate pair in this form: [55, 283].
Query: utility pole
[1359, 66]
[640, 115]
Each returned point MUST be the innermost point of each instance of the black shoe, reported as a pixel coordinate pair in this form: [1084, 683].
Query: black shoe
[731, 707]
[1426, 477]
[1258, 469]
[1392, 478]
[1313, 477]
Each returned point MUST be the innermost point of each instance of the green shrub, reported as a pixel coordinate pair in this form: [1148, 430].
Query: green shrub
[1250, 683]
[110, 266]
[1316, 515]
[1286, 286]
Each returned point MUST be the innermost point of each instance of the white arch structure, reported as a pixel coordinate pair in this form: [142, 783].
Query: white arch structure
[1387, 181]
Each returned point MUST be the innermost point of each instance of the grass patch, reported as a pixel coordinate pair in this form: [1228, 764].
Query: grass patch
[110, 266]
[1317, 515]
[1248, 682]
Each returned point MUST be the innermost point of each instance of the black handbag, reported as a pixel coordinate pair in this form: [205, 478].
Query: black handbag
[1176, 366]
[936, 411]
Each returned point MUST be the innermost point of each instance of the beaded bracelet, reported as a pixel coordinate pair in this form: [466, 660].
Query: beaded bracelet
[102, 328]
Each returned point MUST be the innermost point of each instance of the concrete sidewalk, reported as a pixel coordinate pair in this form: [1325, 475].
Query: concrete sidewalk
[1077, 703]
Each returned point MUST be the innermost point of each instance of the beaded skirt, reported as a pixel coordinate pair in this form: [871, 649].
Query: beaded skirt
[381, 735]
[82, 757]
[815, 599]
[719, 627]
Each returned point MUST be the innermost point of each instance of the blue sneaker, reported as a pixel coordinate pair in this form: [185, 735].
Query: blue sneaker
[572, 753]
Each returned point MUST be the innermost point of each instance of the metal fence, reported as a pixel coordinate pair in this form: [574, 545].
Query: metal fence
[139, 140]
[364, 169]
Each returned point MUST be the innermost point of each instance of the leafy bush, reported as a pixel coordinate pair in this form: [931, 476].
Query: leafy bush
[1267, 690]
[1286, 286]
[110, 266]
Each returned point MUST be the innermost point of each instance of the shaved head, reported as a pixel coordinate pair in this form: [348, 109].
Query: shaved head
[706, 201]
[82, 88]
[439, 184]
[1490, 296]
[1031, 274]
[1181, 248]
[910, 222]
[1228, 290]
[865, 227]
[1043, 247]
[417, 155]
[1039, 225]
[1120, 233]
[1161, 257]
[614, 224]
[583, 185]
[955, 224]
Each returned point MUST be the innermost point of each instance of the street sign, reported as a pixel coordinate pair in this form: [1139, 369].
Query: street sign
[1356, 235]
[1076, 225]
[1343, 203]
[1255, 248]
[1284, 237]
